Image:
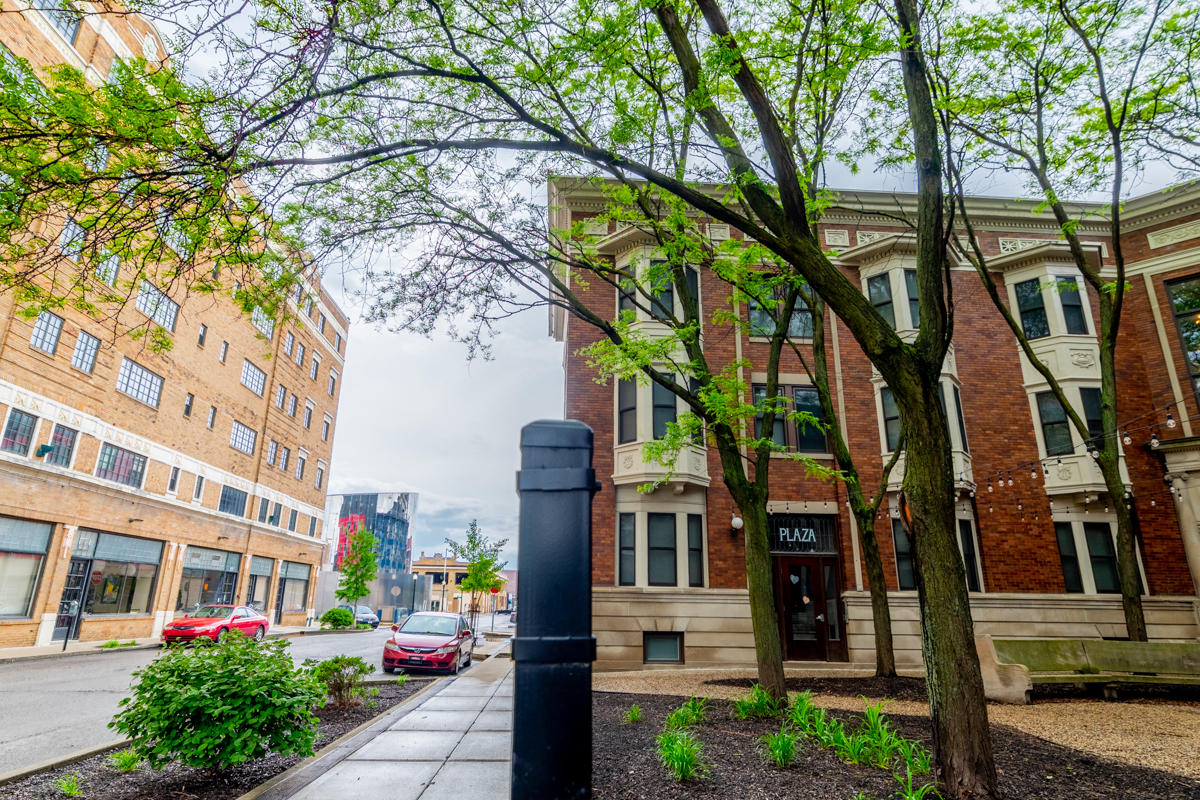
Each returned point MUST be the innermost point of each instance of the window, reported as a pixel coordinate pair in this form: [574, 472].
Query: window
[1103, 557]
[309, 306]
[962, 425]
[18, 432]
[293, 577]
[62, 16]
[662, 301]
[107, 269]
[663, 402]
[1032, 307]
[1092, 414]
[661, 549]
[280, 395]
[157, 306]
[253, 378]
[272, 451]
[320, 476]
[276, 514]
[242, 437]
[198, 490]
[121, 465]
[188, 400]
[312, 526]
[1072, 305]
[292, 405]
[260, 320]
[208, 576]
[778, 434]
[1185, 306]
[72, 239]
[325, 426]
[173, 481]
[289, 342]
[224, 351]
[662, 648]
[63, 441]
[627, 552]
[891, 419]
[285, 455]
[1072, 577]
[139, 383]
[332, 381]
[46, 331]
[626, 411]
[1056, 431]
[879, 291]
[212, 416]
[695, 552]
[292, 516]
[762, 320]
[300, 355]
[337, 342]
[23, 548]
[203, 335]
[316, 365]
[123, 572]
[308, 412]
[86, 349]
[301, 462]
[233, 501]
[810, 436]
[321, 324]
[906, 577]
[966, 544]
[914, 307]
[264, 505]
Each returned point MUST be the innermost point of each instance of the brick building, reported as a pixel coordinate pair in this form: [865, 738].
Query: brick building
[1035, 532]
[135, 484]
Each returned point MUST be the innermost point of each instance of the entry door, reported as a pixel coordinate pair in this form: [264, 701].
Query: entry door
[66, 624]
[800, 597]
[279, 602]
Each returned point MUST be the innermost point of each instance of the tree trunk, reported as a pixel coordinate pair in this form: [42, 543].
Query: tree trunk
[881, 613]
[958, 709]
[768, 648]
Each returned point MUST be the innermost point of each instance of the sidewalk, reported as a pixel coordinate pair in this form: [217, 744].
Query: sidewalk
[457, 743]
[76, 648]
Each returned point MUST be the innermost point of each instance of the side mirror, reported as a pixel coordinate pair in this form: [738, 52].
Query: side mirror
[466, 633]
[395, 627]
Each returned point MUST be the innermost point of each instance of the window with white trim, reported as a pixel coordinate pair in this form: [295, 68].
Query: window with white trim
[198, 489]
[121, 465]
[212, 416]
[173, 481]
[63, 443]
[326, 425]
[293, 403]
[299, 355]
[308, 414]
[233, 501]
[224, 351]
[333, 376]
[107, 269]
[152, 302]
[1088, 554]
[320, 474]
[72, 239]
[260, 320]
[202, 335]
[285, 455]
[272, 451]
[316, 365]
[289, 341]
[280, 395]
[139, 383]
[253, 378]
[62, 16]
[18, 432]
[46, 332]
[301, 463]
[188, 401]
[243, 438]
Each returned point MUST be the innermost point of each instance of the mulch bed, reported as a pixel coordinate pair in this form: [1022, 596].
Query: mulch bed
[893, 688]
[625, 764]
[184, 783]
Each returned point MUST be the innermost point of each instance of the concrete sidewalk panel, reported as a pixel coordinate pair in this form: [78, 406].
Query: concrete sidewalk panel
[484, 746]
[459, 779]
[422, 720]
[395, 780]
[494, 721]
[456, 703]
[408, 746]
[499, 703]
[464, 688]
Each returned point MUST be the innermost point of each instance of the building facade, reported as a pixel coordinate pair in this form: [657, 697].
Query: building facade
[135, 484]
[446, 576]
[1036, 534]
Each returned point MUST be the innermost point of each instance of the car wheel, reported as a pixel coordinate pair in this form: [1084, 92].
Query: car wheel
[468, 661]
[455, 665]
[260, 634]
[221, 635]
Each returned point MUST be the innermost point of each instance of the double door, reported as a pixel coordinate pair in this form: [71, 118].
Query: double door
[808, 599]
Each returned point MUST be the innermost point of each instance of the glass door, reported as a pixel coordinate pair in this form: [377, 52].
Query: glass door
[800, 596]
[66, 624]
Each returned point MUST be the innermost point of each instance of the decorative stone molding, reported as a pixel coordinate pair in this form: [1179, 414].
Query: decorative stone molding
[1012, 245]
[838, 237]
[866, 237]
[1174, 234]
[718, 232]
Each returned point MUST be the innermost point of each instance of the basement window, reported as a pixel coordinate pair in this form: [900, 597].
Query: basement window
[662, 648]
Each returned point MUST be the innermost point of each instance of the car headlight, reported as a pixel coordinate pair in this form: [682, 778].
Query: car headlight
[442, 650]
[390, 645]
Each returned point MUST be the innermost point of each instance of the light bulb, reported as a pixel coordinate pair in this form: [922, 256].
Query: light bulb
[1127, 439]
[1154, 440]
[989, 484]
[1010, 482]
[1094, 453]
[1152, 503]
[1170, 420]
[1032, 474]
[1020, 507]
[972, 493]
[989, 509]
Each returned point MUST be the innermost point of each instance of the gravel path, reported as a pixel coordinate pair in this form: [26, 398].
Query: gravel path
[1151, 733]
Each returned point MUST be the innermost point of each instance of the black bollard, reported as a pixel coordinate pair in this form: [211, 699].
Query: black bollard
[552, 710]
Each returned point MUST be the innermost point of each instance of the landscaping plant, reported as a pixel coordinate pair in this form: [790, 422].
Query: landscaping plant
[682, 754]
[693, 712]
[218, 706]
[71, 785]
[759, 703]
[781, 747]
[401, 679]
[337, 618]
[342, 677]
[633, 715]
[126, 760]
[912, 791]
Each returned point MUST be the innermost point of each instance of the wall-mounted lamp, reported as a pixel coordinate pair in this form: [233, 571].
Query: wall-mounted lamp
[219, 538]
[135, 519]
[735, 525]
[302, 553]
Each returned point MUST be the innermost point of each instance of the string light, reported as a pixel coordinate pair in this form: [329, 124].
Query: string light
[989, 508]
[1010, 480]
[1170, 421]
[989, 485]
[1154, 440]
[1127, 439]
[1032, 474]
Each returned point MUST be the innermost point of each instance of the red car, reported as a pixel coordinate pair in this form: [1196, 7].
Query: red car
[429, 640]
[214, 622]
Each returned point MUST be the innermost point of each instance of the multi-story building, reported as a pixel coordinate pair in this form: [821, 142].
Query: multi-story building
[1036, 533]
[135, 484]
[446, 576]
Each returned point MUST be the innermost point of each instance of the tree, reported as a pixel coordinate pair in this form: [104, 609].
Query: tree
[358, 568]
[483, 564]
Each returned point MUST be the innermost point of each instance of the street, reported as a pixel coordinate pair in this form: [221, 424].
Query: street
[59, 706]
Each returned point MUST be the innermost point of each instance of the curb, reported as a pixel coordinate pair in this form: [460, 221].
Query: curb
[62, 761]
[338, 750]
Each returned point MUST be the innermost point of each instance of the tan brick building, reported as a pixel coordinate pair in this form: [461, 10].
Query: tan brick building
[1035, 532]
[135, 484]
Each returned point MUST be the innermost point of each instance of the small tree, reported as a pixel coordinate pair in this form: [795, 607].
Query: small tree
[483, 564]
[359, 567]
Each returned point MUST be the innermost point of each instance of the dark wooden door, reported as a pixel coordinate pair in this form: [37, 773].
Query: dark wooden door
[800, 597]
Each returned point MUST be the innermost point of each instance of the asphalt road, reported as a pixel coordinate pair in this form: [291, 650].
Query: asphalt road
[55, 707]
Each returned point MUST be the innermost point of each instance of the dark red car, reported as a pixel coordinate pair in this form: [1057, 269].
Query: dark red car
[214, 622]
[429, 640]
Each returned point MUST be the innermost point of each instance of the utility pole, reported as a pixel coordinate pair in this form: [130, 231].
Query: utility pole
[442, 605]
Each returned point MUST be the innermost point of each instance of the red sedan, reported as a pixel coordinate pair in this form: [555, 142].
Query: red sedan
[214, 622]
[429, 640]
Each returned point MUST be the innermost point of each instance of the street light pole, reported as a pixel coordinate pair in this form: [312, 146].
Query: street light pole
[442, 605]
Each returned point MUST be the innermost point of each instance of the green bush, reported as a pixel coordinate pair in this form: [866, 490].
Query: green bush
[401, 679]
[682, 754]
[781, 747]
[757, 704]
[214, 707]
[693, 712]
[126, 760]
[634, 714]
[342, 677]
[337, 618]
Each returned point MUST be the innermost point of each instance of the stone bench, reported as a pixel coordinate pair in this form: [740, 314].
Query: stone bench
[1011, 667]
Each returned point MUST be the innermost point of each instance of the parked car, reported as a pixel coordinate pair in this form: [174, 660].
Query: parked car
[215, 622]
[363, 615]
[433, 640]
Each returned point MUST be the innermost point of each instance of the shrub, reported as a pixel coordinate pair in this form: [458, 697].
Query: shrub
[633, 715]
[914, 755]
[337, 618]
[693, 712]
[682, 754]
[909, 790]
[110, 644]
[342, 677]
[126, 760]
[214, 707]
[781, 747]
[71, 785]
[756, 704]
[401, 679]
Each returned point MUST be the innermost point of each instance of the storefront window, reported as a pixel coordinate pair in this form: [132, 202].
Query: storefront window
[258, 591]
[294, 589]
[121, 572]
[23, 546]
[208, 576]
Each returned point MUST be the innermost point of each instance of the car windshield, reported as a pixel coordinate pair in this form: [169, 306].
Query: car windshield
[419, 623]
[365, 610]
[213, 611]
